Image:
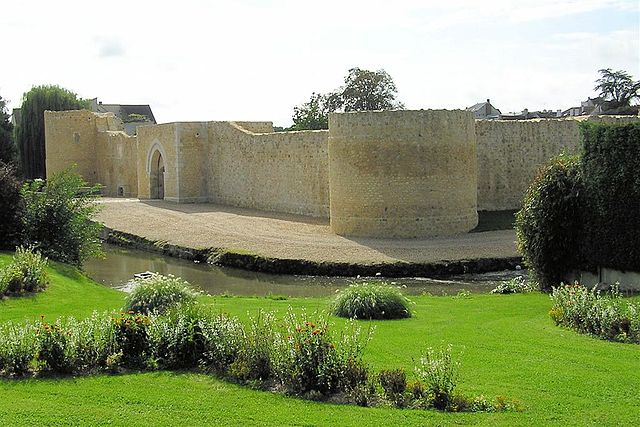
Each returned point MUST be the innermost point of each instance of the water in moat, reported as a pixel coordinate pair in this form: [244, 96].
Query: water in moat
[120, 264]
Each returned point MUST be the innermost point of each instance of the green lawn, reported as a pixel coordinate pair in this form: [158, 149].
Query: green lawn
[507, 345]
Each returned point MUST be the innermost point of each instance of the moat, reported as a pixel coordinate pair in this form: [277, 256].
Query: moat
[120, 264]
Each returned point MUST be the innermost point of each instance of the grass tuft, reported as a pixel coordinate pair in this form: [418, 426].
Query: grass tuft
[371, 301]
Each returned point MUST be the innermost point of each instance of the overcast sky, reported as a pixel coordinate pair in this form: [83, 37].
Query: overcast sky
[255, 60]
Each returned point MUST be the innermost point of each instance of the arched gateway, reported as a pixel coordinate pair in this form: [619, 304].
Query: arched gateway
[156, 177]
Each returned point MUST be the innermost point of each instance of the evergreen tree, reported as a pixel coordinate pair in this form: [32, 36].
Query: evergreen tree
[7, 149]
[617, 89]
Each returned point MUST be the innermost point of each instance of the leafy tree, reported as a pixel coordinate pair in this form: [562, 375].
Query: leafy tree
[549, 225]
[363, 90]
[617, 89]
[57, 219]
[7, 149]
[10, 206]
[30, 130]
[311, 115]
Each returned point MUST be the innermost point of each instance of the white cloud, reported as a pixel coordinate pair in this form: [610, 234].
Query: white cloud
[109, 47]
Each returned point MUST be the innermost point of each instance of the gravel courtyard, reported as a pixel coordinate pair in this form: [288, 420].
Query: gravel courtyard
[287, 236]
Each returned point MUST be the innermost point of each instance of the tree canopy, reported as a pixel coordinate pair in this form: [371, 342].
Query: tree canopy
[363, 90]
[617, 89]
[7, 148]
[311, 115]
[30, 129]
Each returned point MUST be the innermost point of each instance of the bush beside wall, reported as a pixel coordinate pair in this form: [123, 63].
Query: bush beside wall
[548, 227]
[57, 218]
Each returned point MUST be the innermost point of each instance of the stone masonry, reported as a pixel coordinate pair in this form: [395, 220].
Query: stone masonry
[399, 174]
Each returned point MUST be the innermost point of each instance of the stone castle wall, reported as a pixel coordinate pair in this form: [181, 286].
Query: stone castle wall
[402, 173]
[510, 152]
[283, 171]
[383, 174]
[98, 147]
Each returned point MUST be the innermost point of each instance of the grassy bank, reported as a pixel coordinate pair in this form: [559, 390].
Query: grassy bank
[507, 345]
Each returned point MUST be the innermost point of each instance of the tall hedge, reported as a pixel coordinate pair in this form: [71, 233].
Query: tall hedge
[611, 173]
[549, 225]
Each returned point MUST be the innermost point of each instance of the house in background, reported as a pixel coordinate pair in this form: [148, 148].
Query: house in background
[528, 115]
[132, 116]
[592, 106]
[484, 110]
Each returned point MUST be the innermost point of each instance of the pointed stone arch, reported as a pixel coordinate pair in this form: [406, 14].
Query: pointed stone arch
[156, 171]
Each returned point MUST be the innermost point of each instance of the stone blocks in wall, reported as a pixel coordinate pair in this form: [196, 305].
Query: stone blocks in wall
[70, 139]
[510, 153]
[277, 171]
[402, 174]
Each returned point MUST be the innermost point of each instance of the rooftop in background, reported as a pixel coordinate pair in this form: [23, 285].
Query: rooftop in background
[529, 115]
[131, 115]
[484, 110]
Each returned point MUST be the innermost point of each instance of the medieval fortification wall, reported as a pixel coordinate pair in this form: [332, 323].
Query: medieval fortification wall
[283, 171]
[510, 152]
[381, 174]
[402, 173]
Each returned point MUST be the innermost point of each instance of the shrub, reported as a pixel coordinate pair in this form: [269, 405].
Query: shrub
[223, 342]
[394, 384]
[92, 341]
[254, 361]
[371, 301]
[55, 353]
[548, 226]
[18, 348]
[177, 337]
[27, 272]
[158, 293]
[57, 218]
[132, 339]
[307, 360]
[605, 315]
[610, 164]
[10, 207]
[515, 285]
[440, 376]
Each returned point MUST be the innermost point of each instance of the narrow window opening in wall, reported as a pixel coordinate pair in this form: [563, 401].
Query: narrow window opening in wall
[76, 137]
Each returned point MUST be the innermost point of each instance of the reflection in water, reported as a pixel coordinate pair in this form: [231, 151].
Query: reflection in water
[121, 264]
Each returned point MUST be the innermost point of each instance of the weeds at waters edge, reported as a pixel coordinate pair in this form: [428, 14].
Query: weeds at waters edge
[515, 285]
